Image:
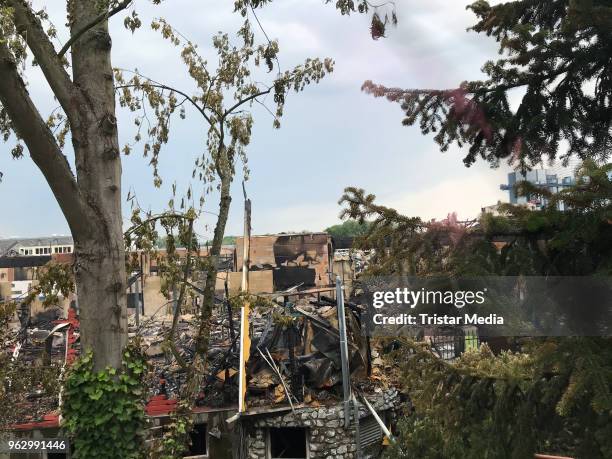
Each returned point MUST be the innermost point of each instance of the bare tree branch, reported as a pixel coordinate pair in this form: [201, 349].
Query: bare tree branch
[90, 25]
[153, 218]
[43, 148]
[163, 86]
[29, 27]
[245, 100]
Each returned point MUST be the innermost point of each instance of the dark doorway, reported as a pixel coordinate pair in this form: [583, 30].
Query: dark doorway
[288, 443]
[198, 441]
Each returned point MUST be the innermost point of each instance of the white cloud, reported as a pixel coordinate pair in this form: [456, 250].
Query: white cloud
[299, 37]
[464, 195]
[333, 135]
[311, 217]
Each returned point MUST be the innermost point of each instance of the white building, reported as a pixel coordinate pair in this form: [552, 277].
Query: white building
[37, 246]
[550, 179]
[19, 289]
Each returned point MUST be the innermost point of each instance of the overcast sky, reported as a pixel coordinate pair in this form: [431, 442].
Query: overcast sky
[332, 134]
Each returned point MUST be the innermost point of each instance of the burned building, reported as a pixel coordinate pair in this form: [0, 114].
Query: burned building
[19, 276]
[319, 431]
[292, 259]
[303, 397]
[302, 402]
[294, 382]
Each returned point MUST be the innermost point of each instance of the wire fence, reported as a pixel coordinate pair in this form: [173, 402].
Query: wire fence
[450, 344]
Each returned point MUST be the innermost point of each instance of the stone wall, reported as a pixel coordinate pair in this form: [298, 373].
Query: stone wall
[326, 436]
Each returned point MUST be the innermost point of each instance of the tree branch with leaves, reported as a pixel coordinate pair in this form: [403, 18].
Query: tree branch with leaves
[557, 55]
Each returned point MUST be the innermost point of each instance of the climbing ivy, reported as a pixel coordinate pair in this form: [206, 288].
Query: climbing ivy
[103, 410]
[175, 442]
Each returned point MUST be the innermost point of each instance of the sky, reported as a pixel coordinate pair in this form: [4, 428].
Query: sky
[332, 135]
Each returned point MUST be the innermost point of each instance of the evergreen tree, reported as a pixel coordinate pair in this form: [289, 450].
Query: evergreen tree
[558, 53]
[552, 395]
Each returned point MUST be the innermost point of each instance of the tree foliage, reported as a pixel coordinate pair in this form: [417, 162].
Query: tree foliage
[224, 94]
[552, 395]
[348, 228]
[383, 13]
[578, 241]
[556, 54]
[104, 409]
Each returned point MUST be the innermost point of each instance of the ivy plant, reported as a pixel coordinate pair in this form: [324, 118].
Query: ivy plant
[104, 410]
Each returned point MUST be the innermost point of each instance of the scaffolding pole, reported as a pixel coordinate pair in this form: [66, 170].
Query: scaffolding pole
[346, 377]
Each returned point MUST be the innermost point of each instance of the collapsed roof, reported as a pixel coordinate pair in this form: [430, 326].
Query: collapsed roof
[295, 354]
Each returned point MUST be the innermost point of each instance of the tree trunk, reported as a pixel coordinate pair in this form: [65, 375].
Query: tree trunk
[197, 369]
[100, 274]
[208, 299]
[100, 252]
[90, 199]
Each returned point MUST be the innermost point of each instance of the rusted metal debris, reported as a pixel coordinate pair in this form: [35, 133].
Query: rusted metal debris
[295, 358]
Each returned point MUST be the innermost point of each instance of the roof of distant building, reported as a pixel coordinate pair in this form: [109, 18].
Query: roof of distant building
[6, 245]
[311, 233]
[10, 244]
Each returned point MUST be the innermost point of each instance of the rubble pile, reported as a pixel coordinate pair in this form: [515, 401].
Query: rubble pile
[37, 349]
[294, 354]
[168, 376]
[296, 358]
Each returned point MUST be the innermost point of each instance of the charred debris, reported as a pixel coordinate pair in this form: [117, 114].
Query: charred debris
[295, 352]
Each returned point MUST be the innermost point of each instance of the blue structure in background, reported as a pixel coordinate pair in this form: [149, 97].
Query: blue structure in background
[543, 178]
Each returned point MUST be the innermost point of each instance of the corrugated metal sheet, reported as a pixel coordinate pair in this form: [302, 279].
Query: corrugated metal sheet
[369, 432]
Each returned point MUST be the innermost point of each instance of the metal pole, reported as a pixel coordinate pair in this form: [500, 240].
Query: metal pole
[142, 280]
[245, 343]
[246, 245]
[137, 311]
[230, 318]
[346, 377]
[359, 453]
[130, 288]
